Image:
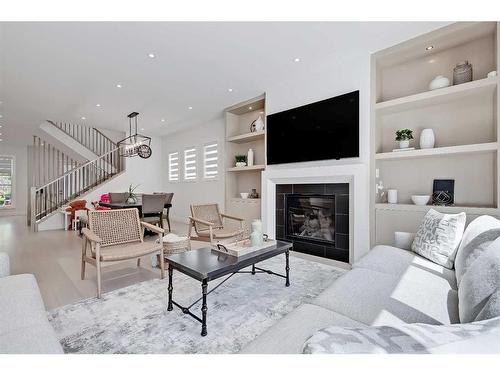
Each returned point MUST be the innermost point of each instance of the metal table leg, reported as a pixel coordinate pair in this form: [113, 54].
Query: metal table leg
[287, 267]
[204, 308]
[170, 287]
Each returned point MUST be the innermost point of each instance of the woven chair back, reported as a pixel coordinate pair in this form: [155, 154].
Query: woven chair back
[207, 212]
[116, 227]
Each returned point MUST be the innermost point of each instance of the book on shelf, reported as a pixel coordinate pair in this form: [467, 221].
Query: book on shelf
[403, 149]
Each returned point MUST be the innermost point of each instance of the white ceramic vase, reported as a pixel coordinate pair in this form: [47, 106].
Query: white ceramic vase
[439, 82]
[404, 144]
[250, 157]
[392, 196]
[427, 139]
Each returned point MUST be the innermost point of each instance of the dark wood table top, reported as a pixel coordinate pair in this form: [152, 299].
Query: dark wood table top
[119, 205]
[209, 264]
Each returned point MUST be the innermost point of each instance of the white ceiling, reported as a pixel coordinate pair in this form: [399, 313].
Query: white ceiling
[60, 71]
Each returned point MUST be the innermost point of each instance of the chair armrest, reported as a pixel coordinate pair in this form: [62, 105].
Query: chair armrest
[152, 228]
[91, 236]
[232, 217]
[201, 221]
[4, 265]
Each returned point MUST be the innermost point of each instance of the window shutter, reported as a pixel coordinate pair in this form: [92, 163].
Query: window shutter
[173, 166]
[210, 161]
[190, 164]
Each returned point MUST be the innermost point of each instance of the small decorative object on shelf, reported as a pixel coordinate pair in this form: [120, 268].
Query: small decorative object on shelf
[392, 196]
[492, 74]
[132, 197]
[244, 195]
[241, 160]
[257, 125]
[443, 192]
[250, 157]
[253, 194]
[439, 82]
[427, 139]
[462, 73]
[420, 200]
[403, 136]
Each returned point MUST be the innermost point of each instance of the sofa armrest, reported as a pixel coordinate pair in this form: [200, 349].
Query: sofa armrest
[403, 240]
[4, 265]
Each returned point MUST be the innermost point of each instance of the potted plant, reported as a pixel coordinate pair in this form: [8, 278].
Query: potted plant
[132, 196]
[403, 136]
[241, 160]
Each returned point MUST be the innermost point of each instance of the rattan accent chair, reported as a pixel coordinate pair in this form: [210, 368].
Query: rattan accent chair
[208, 223]
[117, 235]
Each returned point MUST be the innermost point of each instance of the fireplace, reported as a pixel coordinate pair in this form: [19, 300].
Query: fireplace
[315, 217]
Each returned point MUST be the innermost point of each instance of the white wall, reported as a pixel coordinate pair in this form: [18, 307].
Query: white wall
[20, 179]
[186, 193]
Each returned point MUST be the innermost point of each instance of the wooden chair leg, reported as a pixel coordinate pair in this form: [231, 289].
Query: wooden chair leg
[98, 265]
[168, 219]
[162, 264]
[138, 262]
[84, 251]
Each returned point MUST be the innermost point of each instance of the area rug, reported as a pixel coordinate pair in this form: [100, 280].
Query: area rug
[135, 320]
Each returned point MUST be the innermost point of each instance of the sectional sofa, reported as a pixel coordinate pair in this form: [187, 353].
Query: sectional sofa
[395, 287]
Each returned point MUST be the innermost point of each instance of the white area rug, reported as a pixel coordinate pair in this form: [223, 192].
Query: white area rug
[135, 320]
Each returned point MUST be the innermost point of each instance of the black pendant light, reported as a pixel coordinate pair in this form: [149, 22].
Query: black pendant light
[135, 144]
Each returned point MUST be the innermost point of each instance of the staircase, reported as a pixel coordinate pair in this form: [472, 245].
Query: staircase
[58, 179]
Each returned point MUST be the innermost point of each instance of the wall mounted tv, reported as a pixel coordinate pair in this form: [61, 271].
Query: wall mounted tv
[328, 129]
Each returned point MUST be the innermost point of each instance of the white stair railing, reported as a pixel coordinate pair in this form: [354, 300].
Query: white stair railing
[59, 192]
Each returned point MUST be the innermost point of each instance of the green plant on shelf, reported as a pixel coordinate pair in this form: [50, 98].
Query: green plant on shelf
[240, 158]
[404, 134]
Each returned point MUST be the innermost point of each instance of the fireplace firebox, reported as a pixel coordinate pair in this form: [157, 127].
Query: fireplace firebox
[315, 217]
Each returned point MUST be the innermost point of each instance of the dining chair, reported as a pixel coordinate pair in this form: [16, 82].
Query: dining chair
[117, 197]
[168, 204]
[117, 235]
[152, 208]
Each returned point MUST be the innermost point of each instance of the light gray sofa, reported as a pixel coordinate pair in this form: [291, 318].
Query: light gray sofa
[389, 286]
[24, 327]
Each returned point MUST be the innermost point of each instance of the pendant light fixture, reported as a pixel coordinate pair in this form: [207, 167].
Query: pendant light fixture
[135, 144]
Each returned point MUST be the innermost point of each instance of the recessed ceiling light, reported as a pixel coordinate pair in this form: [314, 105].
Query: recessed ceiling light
[230, 90]
[190, 107]
[1, 140]
[428, 48]
[84, 118]
[0, 126]
[162, 120]
[1, 116]
[142, 128]
[151, 55]
[97, 105]
[261, 112]
[296, 59]
[119, 85]
[250, 108]
[0, 133]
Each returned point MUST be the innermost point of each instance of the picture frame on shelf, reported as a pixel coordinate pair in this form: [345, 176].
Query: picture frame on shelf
[443, 192]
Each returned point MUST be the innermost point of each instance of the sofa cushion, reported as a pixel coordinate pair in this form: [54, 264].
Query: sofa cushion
[287, 336]
[376, 298]
[477, 337]
[438, 237]
[480, 233]
[394, 261]
[480, 281]
[24, 327]
[492, 308]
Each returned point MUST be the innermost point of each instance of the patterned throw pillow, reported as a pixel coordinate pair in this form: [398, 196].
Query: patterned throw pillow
[416, 338]
[438, 237]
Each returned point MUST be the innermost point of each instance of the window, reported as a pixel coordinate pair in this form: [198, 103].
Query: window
[190, 164]
[173, 166]
[6, 181]
[210, 161]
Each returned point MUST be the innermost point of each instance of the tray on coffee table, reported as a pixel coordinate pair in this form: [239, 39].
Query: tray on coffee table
[241, 247]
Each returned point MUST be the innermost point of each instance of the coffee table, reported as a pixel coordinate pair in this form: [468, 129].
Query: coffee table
[207, 265]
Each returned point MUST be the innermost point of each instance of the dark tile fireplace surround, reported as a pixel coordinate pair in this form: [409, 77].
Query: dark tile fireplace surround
[315, 217]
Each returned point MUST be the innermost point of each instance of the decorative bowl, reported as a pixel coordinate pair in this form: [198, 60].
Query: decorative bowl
[420, 200]
[244, 195]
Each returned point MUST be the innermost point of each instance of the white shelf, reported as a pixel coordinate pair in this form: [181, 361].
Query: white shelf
[243, 169]
[245, 200]
[439, 151]
[248, 137]
[446, 209]
[437, 96]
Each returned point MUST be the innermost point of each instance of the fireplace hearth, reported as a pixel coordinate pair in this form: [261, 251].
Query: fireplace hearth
[315, 217]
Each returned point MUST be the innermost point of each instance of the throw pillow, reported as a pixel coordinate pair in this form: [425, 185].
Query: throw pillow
[408, 339]
[438, 237]
[479, 283]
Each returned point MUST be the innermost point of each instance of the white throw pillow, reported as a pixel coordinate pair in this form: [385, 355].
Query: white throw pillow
[439, 236]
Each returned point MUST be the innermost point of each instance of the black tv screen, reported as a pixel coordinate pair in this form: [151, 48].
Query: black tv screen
[328, 129]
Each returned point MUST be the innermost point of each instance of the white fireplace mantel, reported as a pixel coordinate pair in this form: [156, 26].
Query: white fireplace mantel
[354, 174]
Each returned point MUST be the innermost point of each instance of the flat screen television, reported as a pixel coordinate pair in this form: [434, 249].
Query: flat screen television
[328, 129]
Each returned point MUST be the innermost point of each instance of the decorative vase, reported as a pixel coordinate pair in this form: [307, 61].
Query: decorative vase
[492, 74]
[392, 196]
[240, 164]
[256, 237]
[462, 73]
[257, 125]
[131, 199]
[439, 82]
[253, 194]
[404, 144]
[250, 157]
[427, 139]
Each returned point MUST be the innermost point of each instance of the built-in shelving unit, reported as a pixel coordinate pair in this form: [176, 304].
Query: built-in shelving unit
[464, 119]
[239, 139]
